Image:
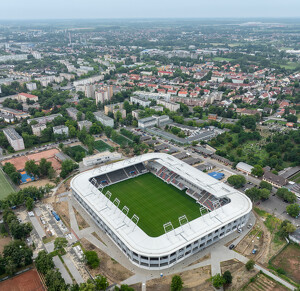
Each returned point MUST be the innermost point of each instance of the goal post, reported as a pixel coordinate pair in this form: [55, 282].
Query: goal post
[116, 202]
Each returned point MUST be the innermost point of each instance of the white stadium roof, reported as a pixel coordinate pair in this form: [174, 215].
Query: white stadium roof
[134, 237]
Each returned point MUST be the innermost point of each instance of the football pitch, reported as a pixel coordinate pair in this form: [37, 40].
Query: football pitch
[154, 202]
[5, 187]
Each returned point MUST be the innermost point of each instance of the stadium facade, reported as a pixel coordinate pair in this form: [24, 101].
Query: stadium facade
[226, 209]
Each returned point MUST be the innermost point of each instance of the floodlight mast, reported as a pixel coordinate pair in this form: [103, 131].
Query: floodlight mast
[136, 218]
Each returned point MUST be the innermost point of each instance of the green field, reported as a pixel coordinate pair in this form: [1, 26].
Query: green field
[101, 146]
[6, 188]
[154, 202]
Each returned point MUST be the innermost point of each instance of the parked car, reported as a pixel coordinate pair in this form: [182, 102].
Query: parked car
[231, 246]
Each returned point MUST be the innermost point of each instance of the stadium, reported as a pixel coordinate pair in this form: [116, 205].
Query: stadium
[159, 210]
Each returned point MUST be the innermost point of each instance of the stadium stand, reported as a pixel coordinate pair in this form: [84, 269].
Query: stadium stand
[130, 171]
[117, 176]
[140, 168]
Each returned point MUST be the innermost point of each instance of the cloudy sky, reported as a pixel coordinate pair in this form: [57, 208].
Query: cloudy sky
[72, 9]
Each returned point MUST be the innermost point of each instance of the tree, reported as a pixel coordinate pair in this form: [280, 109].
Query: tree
[227, 277]
[286, 228]
[44, 262]
[293, 210]
[265, 185]
[92, 259]
[54, 281]
[67, 167]
[253, 193]
[250, 265]
[101, 282]
[60, 243]
[257, 170]
[264, 194]
[32, 168]
[177, 283]
[218, 280]
[29, 203]
[44, 167]
[236, 180]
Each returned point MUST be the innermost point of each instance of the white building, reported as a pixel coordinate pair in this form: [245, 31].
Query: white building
[61, 129]
[100, 158]
[105, 120]
[140, 101]
[85, 123]
[14, 139]
[31, 86]
[38, 128]
[169, 105]
[245, 168]
[228, 210]
[146, 122]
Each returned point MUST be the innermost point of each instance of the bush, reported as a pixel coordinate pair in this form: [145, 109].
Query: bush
[177, 283]
[92, 259]
[228, 277]
[250, 265]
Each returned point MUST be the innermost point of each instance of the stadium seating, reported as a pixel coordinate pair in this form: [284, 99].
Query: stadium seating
[116, 176]
[130, 171]
[140, 168]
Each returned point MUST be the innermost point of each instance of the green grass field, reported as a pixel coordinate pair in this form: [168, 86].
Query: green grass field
[101, 146]
[6, 188]
[154, 202]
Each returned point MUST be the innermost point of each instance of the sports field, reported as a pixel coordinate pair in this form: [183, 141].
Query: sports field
[101, 146]
[5, 187]
[154, 202]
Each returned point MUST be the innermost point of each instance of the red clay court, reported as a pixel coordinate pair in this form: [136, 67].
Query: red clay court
[49, 155]
[28, 281]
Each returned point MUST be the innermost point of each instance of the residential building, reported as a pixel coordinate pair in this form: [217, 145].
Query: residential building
[114, 108]
[85, 123]
[140, 101]
[61, 129]
[17, 114]
[161, 120]
[72, 112]
[24, 96]
[44, 119]
[172, 106]
[157, 108]
[105, 120]
[31, 86]
[14, 139]
[135, 113]
[100, 158]
[38, 128]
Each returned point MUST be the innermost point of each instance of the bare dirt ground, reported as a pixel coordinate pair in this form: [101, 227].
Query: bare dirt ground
[38, 183]
[137, 287]
[3, 242]
[80, 221]
[264, 283]
[239, 273]
[289, 261]
[62, 209]
[111, 269]
[262, 240]
[206, 257]
[193, 280]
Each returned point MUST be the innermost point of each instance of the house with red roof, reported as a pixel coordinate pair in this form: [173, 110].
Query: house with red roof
[24, 96]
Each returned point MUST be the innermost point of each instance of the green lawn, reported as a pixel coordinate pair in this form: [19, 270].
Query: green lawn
[6, 188]
[101, 146]
[154, 202]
